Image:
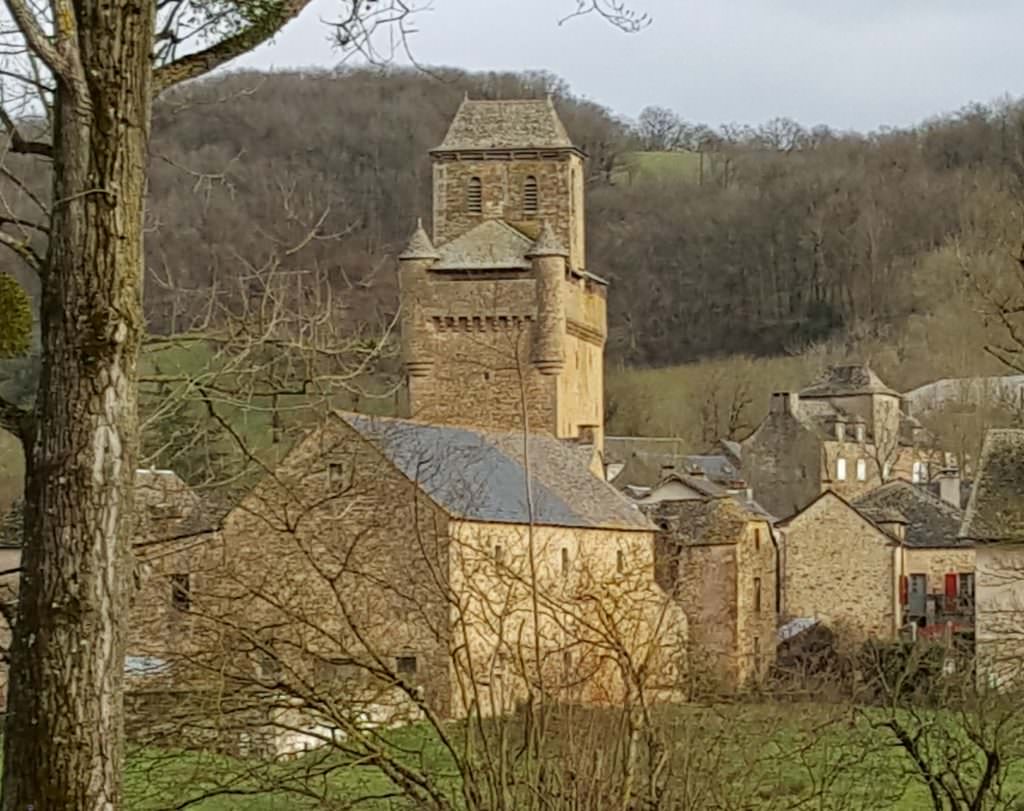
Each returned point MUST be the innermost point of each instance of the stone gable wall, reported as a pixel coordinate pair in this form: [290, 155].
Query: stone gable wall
[840, 568]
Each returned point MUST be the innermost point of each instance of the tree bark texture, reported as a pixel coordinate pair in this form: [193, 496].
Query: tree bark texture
[63, 747]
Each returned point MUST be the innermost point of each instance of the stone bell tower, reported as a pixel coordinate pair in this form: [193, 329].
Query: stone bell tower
[502, 325]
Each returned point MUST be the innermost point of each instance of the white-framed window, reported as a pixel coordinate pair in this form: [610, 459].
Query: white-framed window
[919, 472]
[862, 470]
[840, 469]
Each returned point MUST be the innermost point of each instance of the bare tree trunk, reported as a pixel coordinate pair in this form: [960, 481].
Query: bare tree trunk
[63, 744]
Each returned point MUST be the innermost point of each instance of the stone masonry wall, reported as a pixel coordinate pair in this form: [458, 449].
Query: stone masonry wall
[502, 184]
[756, 625]
[499, 631]
[840, 568]
[336, 538]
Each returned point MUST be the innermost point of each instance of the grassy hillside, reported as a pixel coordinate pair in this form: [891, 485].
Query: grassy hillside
[673, 167]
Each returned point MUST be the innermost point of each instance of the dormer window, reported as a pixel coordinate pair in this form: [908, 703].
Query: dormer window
[859, 429]
[840, 428]
[475, 196]
[530, 197]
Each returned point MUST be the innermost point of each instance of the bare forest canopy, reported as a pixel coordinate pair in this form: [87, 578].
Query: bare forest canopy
[734, 240]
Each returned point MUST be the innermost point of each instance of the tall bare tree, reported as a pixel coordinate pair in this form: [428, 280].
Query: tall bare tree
[88, 73]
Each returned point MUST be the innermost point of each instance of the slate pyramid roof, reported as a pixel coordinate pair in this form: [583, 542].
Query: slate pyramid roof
[491, 245]
[506, 124]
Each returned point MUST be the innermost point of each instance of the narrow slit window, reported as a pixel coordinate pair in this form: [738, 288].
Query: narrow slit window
[620, 561]
[565, 562]
[475, 196]
[181, 592]
[530, 196]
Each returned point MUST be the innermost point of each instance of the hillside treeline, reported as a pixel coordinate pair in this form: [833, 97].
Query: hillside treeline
[753, 240]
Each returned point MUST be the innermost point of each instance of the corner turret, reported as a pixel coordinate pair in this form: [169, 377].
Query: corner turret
[548, 259]
[413, 262]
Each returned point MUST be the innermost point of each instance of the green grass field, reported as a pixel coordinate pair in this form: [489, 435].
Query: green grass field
[727, 757]
[662, 166]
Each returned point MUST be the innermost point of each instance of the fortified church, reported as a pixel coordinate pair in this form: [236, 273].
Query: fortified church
[499, 313]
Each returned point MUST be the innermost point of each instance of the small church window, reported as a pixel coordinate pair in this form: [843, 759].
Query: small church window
[841, 469]
[530, 197]
[475, 196]
[862, 470]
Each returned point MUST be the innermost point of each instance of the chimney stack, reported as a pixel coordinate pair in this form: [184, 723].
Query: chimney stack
[784, 402]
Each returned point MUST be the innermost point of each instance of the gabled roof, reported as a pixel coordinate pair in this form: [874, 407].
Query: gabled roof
[506, 124]
[996, 509]
[931, 522]
[491, 245]
[645, 460]
[481, 476]
[842, 502]
[844, 381]
[705, 522]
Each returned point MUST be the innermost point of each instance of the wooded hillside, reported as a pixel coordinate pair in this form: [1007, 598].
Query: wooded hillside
[741, 241]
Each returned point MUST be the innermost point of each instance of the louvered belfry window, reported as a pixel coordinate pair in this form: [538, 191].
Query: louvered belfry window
[530, 200]
[475, 196]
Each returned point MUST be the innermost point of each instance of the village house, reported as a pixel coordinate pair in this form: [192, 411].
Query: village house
[848, 433]
[170, 518]
[871, 567]
[994, 523]
[841, 567]
[717, 555]
[936, 566]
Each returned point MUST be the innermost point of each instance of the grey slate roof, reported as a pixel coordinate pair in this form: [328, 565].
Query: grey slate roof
[996, 509]
[479, 475]
[507, 124]
[491, 245]
[419, 246]
[931, 522]
[841, 381]
[645, 458]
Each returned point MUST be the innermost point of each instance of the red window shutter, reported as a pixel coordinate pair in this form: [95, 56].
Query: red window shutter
[951, 585]
[903, 589]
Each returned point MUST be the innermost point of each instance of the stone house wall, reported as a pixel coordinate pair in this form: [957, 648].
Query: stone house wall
[731, 638]
[839, 567]
[937, 563]
[596, 600]
[756, 625]
[999, 613]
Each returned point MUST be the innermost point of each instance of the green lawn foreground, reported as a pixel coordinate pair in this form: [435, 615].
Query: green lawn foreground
[721, 756]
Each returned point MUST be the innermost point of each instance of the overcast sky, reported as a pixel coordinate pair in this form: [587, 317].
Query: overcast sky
[847, 63]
